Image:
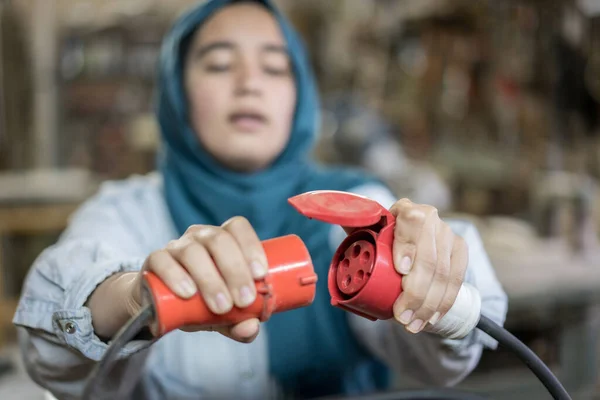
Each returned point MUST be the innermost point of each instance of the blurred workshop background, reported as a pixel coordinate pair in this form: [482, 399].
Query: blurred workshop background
[487, 109]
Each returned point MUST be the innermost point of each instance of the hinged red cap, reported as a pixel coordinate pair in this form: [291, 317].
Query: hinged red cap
[339, 208]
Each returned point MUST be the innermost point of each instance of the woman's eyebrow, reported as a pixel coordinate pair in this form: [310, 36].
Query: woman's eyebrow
[276, 48]
[223, 44]
[203, 50]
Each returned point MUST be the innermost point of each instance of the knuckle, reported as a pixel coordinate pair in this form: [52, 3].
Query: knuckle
[192, 229]
[414, 215]
[400, 234]
[456, 280]
[236, 223]
[446, 230]
[447, 304]
[216, 238]
[237, 272]
[213, 236]
[442, 273]
[443, 264]
[460, 244]
[157, 262]
[430, 210]
[429, 263]
[188, 252]
[414, 295]
[173, 245]
[401, 205]
[155, 257]
[207, 280]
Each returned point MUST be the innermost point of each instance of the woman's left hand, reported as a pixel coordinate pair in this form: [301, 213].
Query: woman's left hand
[433, 261]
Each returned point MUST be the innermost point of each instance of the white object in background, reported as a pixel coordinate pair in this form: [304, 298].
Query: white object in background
[509, 235]
[144, 133]
[47, 185]
[44, 42]
[49, 396]
[590, 8]
[419, 182]
[573, 26]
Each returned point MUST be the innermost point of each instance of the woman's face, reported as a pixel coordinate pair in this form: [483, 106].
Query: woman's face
[240, 87]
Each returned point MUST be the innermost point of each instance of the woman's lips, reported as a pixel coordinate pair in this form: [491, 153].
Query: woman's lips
[247, 121]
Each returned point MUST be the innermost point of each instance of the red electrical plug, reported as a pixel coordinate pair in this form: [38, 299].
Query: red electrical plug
[290, 283]
[362, 278]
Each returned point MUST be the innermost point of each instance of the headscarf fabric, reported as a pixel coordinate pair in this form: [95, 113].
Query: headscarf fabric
[311, 350]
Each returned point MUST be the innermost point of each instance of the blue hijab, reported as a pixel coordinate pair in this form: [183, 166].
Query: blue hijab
[311, 350]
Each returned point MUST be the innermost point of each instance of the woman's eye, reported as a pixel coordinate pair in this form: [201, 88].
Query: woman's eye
[276, 64]
[276, 71]
[217, 67]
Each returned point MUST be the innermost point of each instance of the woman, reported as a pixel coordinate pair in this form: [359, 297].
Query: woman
[237, 108]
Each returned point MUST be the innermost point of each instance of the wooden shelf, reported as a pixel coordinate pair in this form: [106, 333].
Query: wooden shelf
[30, 219]
[7, 312]
[33, 219]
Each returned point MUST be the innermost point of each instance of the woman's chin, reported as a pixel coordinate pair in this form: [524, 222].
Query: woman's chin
[246, 164]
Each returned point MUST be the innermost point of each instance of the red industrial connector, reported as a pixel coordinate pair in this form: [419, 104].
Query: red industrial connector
[362, 278]
[290, 283]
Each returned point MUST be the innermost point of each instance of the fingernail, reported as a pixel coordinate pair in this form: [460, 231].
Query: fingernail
[406, 316]
[222, 302]
[248, 334]
[405, 265]
[187, 288]
[255, 329]
[415, 326]
[246, 296]
[258, 270]
[435, 318]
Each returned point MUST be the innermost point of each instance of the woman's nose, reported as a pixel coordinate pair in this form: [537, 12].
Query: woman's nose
[248, 80]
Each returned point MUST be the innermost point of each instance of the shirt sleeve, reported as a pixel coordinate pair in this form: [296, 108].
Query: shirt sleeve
[57, 337]
[426, 357]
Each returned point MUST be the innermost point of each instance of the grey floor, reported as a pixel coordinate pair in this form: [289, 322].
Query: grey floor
[16, 385]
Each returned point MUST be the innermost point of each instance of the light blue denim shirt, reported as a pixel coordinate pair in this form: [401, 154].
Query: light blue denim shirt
[115, 230]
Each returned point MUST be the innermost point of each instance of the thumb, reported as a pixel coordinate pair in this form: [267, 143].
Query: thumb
[244, 332]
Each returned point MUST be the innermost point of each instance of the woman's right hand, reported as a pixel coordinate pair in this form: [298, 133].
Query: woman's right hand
[221, 262]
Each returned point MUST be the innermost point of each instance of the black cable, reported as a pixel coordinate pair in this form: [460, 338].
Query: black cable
[508, 340]
[504, 338]
[418, 394]
[6, 366]
[125, 335]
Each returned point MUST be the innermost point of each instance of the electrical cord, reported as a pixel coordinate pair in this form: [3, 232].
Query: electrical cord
[424, 394]
[537, 366]
[124, 336]
[504, 338]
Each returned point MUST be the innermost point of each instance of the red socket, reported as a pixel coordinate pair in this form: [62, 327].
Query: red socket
[362, 278]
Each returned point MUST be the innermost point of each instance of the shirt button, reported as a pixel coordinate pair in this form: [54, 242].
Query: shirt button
[70, 327]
